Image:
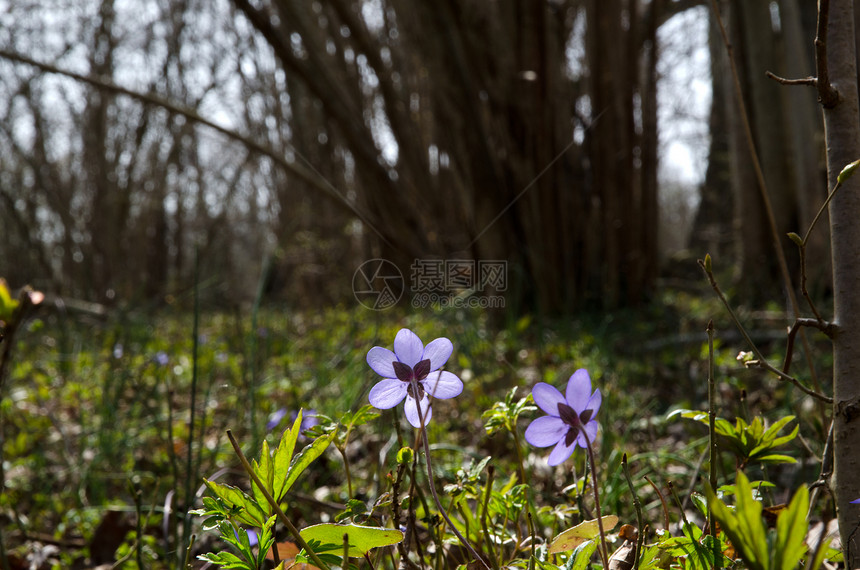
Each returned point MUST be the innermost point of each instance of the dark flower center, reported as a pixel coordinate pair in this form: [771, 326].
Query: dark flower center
[406, 373]
[576, 422]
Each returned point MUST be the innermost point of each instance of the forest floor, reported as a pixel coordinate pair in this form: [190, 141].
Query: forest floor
[110, 425]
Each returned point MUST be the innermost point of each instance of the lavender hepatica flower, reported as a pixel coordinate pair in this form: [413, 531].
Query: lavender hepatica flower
[569, 419]
[411, 360]
[161, 358]
[275, 418]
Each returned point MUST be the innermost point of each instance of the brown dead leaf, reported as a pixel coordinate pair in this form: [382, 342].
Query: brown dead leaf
[287, 552]
[628, 532]
[624, 557]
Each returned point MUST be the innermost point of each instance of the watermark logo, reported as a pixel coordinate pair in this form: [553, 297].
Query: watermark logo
[378, 284]
[460, 283]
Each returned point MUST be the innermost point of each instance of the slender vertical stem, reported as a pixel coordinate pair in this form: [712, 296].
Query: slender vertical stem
[430, 478]
[491, 471]
[190, 472]
[530, 507]
[187, 560]
[640, 536]
[345, 562]
[604, 552]
[712, 435]
[255, 310]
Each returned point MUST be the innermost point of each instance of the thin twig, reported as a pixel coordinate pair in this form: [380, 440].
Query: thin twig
[803, 289]
[762, 185]
[823, 480]
[671, 485]
[662, 502]
[805, 240]
[761, 361]
[823, 326]
[640, 537]
[804, 81]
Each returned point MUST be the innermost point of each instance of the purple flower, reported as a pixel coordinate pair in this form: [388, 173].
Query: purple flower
[253, 540]
[309, 418]
[162, 358]
[411, 360]
[275, 418]
[569, 418]
[855, 501]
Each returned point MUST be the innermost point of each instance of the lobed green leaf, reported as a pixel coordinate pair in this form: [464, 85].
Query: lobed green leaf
[250, 512]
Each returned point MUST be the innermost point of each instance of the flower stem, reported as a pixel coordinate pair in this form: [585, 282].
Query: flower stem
[638, 506]
[487, 493]
[604, 552]
[430, 478]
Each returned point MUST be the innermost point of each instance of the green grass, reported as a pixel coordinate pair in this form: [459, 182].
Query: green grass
[91, 416]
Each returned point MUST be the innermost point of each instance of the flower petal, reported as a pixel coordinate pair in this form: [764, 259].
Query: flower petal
[594, 403]
[438, 351]
[591, 431]
[560, 453]
[410, 409]
[443, 385]
[408, 347]
[545, 431]
[547, 398]
[387, 393]
[578, 390]
[380, 360]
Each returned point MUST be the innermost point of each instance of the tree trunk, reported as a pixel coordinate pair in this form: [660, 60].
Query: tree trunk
[713, 225]
[842, 137]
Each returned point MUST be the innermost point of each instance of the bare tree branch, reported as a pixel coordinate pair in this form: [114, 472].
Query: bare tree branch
[306, 173]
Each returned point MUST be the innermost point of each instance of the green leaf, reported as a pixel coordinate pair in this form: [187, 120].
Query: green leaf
[305, 458]
[361, 538]
[574, 536]
[283, 455]
[791, 527]
[250, 513]
[264, 472]
[776, 458]
[769, 436]
[363, 415]
[744, 527]
[582, 555]
[224, 559]
[265, 539]
[701, 503]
